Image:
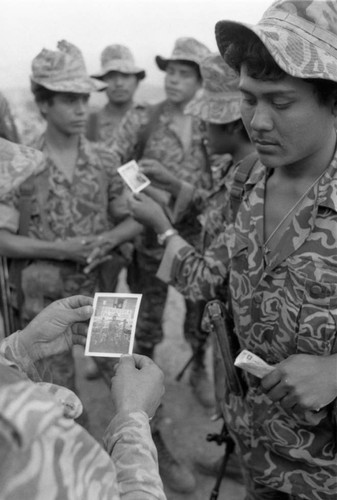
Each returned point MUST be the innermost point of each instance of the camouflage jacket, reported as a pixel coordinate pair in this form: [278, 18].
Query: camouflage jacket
[284, 303]
[164, 145]
[45, 454]
[103, 126]
[8, 128]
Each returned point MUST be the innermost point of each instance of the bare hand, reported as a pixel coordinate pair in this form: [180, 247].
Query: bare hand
[78, 248]
[58, 327]
[148, 212]
[160, 176]
[138, 385]
[303, 382]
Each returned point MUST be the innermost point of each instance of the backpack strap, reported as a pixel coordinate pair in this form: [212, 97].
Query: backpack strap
[145, 131]
[25, 204]
[241, 175]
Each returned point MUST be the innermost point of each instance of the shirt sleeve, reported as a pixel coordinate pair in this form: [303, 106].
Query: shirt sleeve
[117, 192]
[127, 136]
[128, 440]
[197, 276]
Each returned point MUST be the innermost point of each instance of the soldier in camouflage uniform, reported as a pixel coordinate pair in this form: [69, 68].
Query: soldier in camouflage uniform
[163, 133]
[218, 105]
[8, 128]
[76, 206]
[176, 141]
[44, 453]
[122, 76]
[279, 254]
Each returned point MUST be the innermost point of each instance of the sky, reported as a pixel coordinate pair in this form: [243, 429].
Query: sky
[148, 27]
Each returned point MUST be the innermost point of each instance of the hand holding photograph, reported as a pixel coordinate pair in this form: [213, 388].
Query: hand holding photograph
[113, 325]
[132, 176]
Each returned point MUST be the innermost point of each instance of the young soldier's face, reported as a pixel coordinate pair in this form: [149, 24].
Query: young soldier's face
[285, 120]
[181, 82]
[121, 87]
[67, 113]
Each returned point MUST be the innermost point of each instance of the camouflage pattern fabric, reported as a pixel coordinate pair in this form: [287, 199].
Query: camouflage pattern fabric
[17, 163]
[87, 206]
[165, 146]
[8, 128]
[45, 454]
[119, 58]
[219, 99]
[301, 36]
[106, 125]
[283, 303]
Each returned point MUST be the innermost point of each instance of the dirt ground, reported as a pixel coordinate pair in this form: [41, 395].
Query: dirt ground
[186, 423]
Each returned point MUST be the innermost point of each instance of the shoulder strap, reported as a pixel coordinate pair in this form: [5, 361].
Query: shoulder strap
[240, 177]
[145, 131]
[25, 204]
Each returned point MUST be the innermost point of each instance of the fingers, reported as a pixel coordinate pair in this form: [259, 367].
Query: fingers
[77, 301]
[270, 380]
[142, 361]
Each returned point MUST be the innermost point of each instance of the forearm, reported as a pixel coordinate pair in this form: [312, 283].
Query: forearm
[126, 230]
[197, 276]
[22, 247]
[128, 440]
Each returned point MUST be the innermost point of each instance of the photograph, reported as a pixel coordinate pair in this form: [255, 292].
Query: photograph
[113, 325]
[131, 175]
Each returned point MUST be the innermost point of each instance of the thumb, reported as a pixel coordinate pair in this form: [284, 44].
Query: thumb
[80, 314]
[127, 359]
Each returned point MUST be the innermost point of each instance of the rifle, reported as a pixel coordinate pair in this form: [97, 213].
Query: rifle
[5, 298]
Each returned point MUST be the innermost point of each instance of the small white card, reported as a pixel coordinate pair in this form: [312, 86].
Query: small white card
[112, 326]
[132, 176]
[253, 364]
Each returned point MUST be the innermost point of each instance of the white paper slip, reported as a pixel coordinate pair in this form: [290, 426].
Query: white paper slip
[253, 364]
[112, 326]
[132, 176]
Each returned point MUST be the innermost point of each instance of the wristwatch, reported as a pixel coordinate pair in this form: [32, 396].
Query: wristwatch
[162, 238]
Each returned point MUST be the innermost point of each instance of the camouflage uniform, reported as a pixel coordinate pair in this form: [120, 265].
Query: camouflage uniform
[114, 58]
[38, 417]
[284, 301]
[80, 208]
[165, 146]
[8, 128]
[273, 296]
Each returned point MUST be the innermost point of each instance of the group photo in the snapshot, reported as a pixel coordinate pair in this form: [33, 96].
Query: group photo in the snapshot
[168, 250]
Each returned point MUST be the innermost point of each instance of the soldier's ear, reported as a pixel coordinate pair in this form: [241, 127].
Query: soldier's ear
[43, 107]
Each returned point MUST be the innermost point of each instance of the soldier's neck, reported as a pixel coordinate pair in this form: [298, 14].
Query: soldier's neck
[59, 141]
[119, 109]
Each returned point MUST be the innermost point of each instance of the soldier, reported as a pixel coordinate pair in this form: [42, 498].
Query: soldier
[279, 254]
[218, 105]
[57, 221]
[122, 76]
[163, 133]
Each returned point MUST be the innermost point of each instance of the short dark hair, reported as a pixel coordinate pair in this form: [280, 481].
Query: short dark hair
[262, 66]
[42, 94]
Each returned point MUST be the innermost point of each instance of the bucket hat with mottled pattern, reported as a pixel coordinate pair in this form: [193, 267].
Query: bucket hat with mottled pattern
[185, 49]
[118, 58]
[63, 70]
[301, 36]
[219, 99]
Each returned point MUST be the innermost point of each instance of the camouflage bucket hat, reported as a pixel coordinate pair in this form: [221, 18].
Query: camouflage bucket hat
[63, 70]
[185, 49]
[118, 58]
[17, 163]
[301, 36]
[219, 99]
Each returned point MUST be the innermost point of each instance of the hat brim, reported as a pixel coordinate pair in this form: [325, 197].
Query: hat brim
[162, 62]
[80, 86]
[215, 108]
[301, 58]
[120, 67]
